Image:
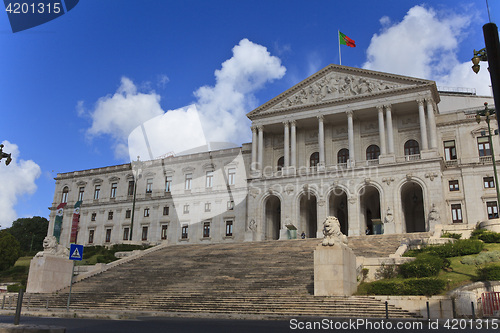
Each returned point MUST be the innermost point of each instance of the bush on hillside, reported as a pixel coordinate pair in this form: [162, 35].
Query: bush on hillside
[426, 265]
[451, 235]
[489, 273]
[413, 286]
[482, 258]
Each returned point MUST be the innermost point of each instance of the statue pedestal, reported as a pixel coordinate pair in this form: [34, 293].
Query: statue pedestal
[49, 273]
[334, 271]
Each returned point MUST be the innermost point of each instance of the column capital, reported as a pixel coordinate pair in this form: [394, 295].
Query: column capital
[320, 117]
[254, 128]
[260, 127]
[285, 122]
[349, 113]
[420, 102]
[293, 122]
[388, 107]
[429, 100]
[380, 107]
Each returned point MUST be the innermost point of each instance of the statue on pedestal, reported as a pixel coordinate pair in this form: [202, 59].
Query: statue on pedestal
[51, 247]
[331, 230]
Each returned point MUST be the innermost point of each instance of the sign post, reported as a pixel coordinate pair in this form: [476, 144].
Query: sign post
[75, 253]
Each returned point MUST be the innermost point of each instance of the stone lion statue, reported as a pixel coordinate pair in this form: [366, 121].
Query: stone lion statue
[331, 230]
[51, 247]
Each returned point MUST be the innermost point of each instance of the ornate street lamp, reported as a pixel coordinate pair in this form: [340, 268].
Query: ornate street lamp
[478, 57]
[136, 171]
[487, 113]
[5, 155]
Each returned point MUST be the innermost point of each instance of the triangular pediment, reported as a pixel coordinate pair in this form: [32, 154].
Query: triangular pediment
[336, 84]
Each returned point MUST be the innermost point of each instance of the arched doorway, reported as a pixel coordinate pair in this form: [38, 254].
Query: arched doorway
[273, 217]
[338, 208]
[412, 201]
[308, 215]
[370, 210]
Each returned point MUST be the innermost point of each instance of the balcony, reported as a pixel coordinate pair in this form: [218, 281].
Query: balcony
[485, 159]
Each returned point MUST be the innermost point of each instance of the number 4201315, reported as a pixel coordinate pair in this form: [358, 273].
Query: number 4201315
[32, 8]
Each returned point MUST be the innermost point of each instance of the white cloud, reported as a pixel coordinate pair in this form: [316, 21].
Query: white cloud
[17, 179]
[425, 45]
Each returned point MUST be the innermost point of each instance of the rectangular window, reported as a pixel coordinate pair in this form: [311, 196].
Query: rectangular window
[110, 215]
[128, 213]
[450, 151]
[489, 182]
[208, 206]
[166, 210]
[210, 179]
[146, 212]
[186, 209]
[93, 216]
[149, 186]
[483, 144]
[189, 179]
[91, 236]
[453, 184]
[184, 234]
[80, 193]
[97, 190]
[456, 213]
[229, 228]
[206, 229]
[144, 233]
[230, 205]
[164, 229]
[492, 208]
[231, 175]
[113, 190]
[125, 233]
[64, 198]
[108, 235]
[168, 183]
[131, 185]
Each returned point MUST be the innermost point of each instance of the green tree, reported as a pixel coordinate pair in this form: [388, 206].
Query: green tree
[9, 250]
[30, 232]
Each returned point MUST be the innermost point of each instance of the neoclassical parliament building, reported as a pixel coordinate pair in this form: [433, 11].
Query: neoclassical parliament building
[383, 153]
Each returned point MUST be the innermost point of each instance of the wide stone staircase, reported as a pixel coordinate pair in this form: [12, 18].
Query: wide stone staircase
[272, 278]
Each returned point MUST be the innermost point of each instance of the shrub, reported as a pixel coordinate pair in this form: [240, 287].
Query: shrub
[425, 265]
[14, 288]
[414, 286]
[489, 273]
[482, 258]
[386, 272]
[490, 237]
[461, 247]
[451, 235]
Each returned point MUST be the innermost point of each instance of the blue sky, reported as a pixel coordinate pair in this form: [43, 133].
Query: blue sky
[74, 88]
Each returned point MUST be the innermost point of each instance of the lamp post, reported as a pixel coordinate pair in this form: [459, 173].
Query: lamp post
[487, 113]
[5, 155]
[136, 171]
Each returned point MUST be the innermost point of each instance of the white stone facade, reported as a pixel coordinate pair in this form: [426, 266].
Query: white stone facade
[375, 150]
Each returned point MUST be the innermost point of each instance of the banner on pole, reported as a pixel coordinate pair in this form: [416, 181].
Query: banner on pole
[74, 224]
[58, 221]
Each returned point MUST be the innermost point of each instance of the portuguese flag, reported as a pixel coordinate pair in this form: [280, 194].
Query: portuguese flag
[344, 40]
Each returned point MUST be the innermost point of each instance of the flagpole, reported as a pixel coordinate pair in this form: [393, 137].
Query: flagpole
[340, 55]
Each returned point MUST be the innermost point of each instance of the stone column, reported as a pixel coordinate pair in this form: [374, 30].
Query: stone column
[432, 123]
[381, 129]
[261, 147]
[350, 135]
[254, 148]
[286, 145]
[423, 126]
[293, 160]
[321, 141]
[390, 134]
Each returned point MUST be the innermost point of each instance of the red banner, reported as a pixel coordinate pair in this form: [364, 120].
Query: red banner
[74, 225]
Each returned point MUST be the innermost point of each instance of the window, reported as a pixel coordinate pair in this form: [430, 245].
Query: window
[483, 144]
[229, 228]
[489, 182]
[168, 183]
[314, 159]
[231, 175]
[93, 216]
[149, 186]
[80, 193]
[110, 215]
[65, 194]
[450, 151]
[372, 152]
[210, 179]
[113, 190]
[456, 213]
[91, 236]
[208, 206]
[97, 190]
[186, 209]
[492, 208]
[453, 184]
[166, 210]
[131, 185]
[411, 148]
[206, 229]
[128, 213]
[188, 180]
[164, 229]
[144, 233]
[184, 234]
[230, 205]
[146, 212]
[108, 235]
[125, 233]
[342, 156]
[281, 163]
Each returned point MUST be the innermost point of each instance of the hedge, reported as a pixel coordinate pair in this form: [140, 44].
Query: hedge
[489, 273]
[413, 286]
[425, 265]
[486, 236]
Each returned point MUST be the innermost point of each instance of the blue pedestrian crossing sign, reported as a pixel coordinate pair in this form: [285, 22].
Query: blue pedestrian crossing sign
[76, 252]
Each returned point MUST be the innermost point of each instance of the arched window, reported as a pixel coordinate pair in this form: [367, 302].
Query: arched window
[281, 162]
[314, 159]
[342, 155]
[411, 148]
[65, 192]
[372, 152]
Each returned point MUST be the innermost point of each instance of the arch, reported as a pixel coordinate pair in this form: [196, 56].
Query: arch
[65, 192]
[370, 213]
[281, 163]
[412, 203]
[314, 159]
[411, 147]
[308, 213]
[372, 152]
[337, 206]
[342, 156]
[272, 217]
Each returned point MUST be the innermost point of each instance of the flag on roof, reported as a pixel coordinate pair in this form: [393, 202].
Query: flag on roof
[344, 40]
